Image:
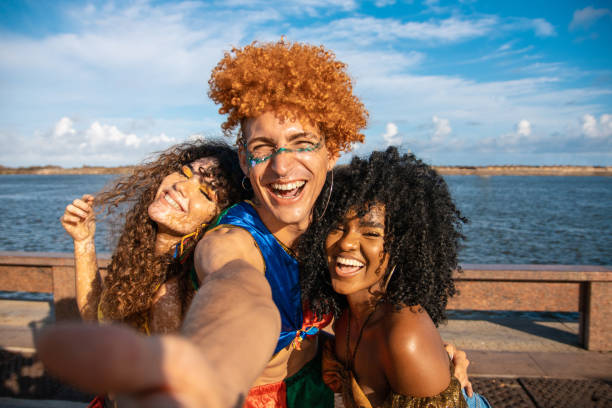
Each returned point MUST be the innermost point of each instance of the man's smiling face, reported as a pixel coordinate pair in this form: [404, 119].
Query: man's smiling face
[286, 162]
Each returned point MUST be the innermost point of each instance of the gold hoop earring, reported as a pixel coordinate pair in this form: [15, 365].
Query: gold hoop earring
[384, 288]
[242, 183]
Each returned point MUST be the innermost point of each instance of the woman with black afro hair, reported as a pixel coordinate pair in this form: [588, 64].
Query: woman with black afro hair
[381, 260]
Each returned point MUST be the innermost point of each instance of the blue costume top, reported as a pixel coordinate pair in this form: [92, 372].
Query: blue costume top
[282, 273]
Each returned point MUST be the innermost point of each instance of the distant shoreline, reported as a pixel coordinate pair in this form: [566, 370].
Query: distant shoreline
[507, 170]
[514, 170]
[48, 170]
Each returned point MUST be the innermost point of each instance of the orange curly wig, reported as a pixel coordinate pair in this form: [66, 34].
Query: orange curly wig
[294, 80]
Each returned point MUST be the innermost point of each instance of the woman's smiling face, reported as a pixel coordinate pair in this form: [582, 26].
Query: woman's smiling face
[186, 199]
[355, 251]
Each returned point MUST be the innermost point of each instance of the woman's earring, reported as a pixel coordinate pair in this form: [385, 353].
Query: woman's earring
[384, 288]
[242, 183]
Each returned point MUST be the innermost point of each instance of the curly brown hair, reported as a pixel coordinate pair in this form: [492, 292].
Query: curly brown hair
[291, 79]
[135, 273]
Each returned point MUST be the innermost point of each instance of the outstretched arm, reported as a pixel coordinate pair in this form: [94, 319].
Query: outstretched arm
[227, 338]
[233, 318]
[79, 222]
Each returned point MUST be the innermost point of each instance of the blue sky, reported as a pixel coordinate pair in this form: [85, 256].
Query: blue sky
[469, 82]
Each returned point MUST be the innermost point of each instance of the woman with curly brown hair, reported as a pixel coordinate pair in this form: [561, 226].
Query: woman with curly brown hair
[163, 200]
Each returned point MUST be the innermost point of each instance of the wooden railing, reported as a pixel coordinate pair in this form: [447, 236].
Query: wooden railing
[538, 288]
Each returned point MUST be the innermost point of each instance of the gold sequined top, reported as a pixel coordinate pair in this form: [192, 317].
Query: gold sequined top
[341, 380]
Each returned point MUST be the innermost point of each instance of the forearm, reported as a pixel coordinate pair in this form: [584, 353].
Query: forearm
[235, 324]
[87, 278]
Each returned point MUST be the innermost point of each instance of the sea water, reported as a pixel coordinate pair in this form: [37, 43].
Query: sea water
[513, 219]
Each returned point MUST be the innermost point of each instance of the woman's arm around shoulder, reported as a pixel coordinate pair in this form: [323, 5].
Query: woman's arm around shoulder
[416, 363]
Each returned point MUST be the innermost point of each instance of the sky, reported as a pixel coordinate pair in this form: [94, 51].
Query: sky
[468, 82]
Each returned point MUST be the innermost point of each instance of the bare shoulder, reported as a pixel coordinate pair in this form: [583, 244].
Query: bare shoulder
[417, 363]
[224, 245]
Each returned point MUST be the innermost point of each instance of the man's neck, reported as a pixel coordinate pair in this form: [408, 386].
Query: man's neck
[287, 234]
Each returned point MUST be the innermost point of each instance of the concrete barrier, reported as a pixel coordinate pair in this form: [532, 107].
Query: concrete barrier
[539, 288]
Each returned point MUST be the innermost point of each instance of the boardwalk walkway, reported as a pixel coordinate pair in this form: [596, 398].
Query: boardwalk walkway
[516, 360]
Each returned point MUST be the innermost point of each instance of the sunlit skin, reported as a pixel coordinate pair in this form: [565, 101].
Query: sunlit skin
[289, 215]
[399, 350]
[179, 207]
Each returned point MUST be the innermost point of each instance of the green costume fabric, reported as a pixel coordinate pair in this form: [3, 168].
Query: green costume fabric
[306, 389]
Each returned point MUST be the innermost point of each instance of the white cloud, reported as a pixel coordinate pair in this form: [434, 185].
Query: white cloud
[161, 139]
[311, 8]
[159, 50]
[543, 28]
[384, 3]
[365, 31]
[587, 16]
[589, 126]
[68, 144]
[369, 30]
[511, 142]
[391, 135]
[98, 134]
[365, 63]
[592, 138]
[540, 26]
[597, 130]
[442, 129]
[64, 127]
[523, 128]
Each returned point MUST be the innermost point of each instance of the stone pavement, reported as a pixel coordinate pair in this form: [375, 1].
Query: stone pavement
[526, 360]
[20, 320]
[519, 345]
[516, 360]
